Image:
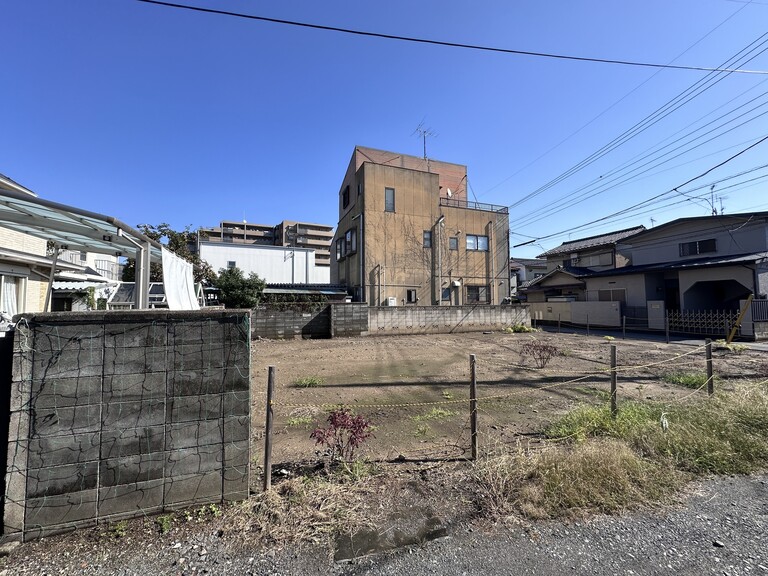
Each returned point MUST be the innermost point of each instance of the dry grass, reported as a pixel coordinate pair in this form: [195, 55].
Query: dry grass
[305, 509]
[602, 476]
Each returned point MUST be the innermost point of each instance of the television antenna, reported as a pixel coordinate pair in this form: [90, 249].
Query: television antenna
[424, 133]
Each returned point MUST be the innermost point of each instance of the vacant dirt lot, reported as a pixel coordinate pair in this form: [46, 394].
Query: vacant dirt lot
[415, 389]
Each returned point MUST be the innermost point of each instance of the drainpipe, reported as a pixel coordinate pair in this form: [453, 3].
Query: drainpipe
[361, 255]
[491, 264]
[439, 227]
[56, 249]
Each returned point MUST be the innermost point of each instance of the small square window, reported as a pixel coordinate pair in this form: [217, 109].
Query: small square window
[231, 264]
[453, 243]
[389, 199]
[427, 239]
[411, 296]
[446, 294]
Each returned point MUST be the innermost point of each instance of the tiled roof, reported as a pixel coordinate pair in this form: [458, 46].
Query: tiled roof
[593, 241]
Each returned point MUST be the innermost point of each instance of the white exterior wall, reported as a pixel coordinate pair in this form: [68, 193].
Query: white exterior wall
[632, 284]
[273, 264]
[36, 286]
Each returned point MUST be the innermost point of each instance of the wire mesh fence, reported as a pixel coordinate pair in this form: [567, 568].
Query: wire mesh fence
[420, 410]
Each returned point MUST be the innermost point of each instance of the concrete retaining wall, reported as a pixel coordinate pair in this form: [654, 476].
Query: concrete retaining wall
[121, 414]
[444, 319]
[327, 321]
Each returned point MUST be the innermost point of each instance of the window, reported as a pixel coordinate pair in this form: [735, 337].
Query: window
[453, 243]
[446, 294]
[477, 294]
[604, 259]
[12, 294]
[83, 256]
[341, 245]
[612, 295]
[699, 247]
[410, 296]
[350, 241]
[389, 199]
[427, 239]
[231, 264]
[345, 197]
[475, 242]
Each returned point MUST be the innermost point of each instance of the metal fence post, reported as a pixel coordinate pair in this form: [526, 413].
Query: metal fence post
[268, 431]
[710, 374]
[473, 404]
[614, 410]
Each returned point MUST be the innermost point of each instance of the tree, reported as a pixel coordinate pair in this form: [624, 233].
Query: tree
[237, 291]
[180, 243]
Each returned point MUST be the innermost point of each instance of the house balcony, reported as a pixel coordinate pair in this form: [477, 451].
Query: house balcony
[473, 205]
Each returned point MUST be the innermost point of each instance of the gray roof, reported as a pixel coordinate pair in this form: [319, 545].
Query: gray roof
[592, 241]
[527, 261]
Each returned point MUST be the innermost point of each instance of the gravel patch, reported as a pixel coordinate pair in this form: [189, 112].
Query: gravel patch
[719, 528]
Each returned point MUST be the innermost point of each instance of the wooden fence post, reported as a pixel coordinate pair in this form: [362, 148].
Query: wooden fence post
[473, 404]
[613, 381]
[268, 431]
[558, 323]
[666, 326]
[624, 327]
[587, 324]
[710, 374]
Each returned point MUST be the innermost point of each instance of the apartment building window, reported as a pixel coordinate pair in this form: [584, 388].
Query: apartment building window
[699, 247]
[389, 199]
[410, 296]
[427, 239]
[477, 294]
[475, 242]
[231, 264]
[345, 197]
[453, 243]
[445, 294]
[83, 256]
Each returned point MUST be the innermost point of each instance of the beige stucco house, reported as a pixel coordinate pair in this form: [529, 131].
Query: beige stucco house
[408, 235]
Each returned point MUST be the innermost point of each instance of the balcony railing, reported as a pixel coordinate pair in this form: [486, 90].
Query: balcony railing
[473, 205]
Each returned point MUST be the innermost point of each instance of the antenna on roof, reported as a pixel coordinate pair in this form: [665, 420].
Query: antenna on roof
[653, 222]
[423, 133]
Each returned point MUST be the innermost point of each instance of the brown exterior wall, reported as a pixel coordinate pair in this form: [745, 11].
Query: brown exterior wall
[392, 243]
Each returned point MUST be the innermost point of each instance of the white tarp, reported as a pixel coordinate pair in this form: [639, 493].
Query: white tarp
[178, 283]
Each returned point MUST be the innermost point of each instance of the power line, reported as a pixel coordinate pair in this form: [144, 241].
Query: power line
[449, 44]
[660, 113]
[645, 202]
[616, 103]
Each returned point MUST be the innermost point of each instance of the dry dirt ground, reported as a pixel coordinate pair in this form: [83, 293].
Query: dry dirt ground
[415, 389]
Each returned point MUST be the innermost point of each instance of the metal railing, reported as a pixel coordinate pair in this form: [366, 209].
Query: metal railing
[760, 310]
[473, 205]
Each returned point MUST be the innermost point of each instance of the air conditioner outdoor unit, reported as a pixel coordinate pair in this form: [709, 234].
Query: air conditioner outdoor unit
[390, 301]
[456, 283]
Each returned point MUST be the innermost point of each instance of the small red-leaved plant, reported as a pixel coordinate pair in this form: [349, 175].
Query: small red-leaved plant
[344, 434]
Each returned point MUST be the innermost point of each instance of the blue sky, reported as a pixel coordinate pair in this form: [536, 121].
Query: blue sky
[153, 114]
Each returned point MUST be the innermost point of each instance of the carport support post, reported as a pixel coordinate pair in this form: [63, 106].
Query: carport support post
[268, 431]
[710, 378]
[613, 381]
[473, 404]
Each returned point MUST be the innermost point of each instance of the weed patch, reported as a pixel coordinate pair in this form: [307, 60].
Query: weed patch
[693, 380]
[308, 382]
[540, 352]
[434, 414]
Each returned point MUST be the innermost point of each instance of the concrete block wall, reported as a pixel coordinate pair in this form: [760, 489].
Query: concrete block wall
[121, 414]
[444, 319]
[291, 323]
[348, 320]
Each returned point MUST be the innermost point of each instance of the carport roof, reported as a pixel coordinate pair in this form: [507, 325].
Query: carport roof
[71, 227]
